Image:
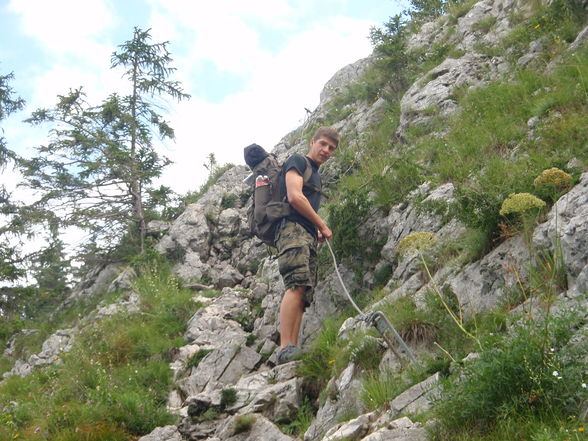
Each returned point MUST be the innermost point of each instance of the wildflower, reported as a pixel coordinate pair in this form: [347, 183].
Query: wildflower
[553, 177]
[537, 26]
[584, 385]
[555, 373]
[418, 241]
[37, 430]
[581, 429]
[519, 203]
[331, 361]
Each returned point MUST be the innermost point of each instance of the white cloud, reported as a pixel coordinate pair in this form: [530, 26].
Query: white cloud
[277, 84]
[64, 26]
[271, 104]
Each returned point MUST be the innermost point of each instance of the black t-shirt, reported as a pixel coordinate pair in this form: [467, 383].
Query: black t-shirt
[298, 162]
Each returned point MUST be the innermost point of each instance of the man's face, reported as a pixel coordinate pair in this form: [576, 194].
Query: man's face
[321, 150]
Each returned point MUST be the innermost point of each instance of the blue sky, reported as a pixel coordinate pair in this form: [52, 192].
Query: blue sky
[251, 67]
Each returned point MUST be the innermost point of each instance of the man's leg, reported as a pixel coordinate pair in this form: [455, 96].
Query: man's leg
[291, 310]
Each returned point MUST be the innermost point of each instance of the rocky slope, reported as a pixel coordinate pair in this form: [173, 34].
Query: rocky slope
[236, 392]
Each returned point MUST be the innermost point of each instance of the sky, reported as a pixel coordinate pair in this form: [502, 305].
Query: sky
[251, 67]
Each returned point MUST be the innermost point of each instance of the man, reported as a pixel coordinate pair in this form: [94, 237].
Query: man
[298, 236]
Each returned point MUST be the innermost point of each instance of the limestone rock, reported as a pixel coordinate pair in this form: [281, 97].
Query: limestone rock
[229, 222]
[94, 283]
[215, 324]
[157, 227]
[402, 429]
[225, 276]
[580, 39]
[417, 398]
[190, 231]
[435, 90]
[356, 428]
[343, 400]
[221, 367]
[566, 232]
[13, 341]
[261, 429]
[480, 285]
[167, 433]
[342, 78]
[278, 401]
[124, 281]
[57, 344]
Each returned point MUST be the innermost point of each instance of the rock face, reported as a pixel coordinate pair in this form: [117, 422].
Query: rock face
[565, 233]
[211, 243]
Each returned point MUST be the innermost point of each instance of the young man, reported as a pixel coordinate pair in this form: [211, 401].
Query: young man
[298, 236]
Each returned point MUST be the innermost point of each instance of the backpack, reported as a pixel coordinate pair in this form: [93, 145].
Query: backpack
[268, 209]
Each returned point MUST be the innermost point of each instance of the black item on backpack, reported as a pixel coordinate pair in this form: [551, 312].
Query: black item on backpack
[267, 209]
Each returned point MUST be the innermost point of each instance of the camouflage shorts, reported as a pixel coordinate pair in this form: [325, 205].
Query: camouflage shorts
[297, 258]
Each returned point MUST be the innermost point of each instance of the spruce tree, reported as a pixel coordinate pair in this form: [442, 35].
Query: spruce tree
[100, 161]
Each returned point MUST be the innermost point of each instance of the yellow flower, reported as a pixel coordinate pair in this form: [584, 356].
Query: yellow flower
[537, 26]
[581, 429]
[418, 241]
[331, 361]
[517, 203]
[554, 177]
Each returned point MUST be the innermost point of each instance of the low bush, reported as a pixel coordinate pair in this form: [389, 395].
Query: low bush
[533, 370]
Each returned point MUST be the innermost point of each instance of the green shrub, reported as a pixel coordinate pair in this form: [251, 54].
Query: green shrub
[300, 421]
[413, 324]
[379, 389]
[243, 423]
[228, 201]
[228, 398]
[534, 370]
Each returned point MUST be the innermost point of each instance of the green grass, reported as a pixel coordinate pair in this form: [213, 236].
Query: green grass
[115, 381]
[532, 372]
[379, 389]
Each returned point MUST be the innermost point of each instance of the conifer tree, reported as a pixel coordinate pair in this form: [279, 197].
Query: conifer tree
[101, 160]
[10, 259]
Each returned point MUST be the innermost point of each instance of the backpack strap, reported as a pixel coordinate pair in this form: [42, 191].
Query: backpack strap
[306, 178]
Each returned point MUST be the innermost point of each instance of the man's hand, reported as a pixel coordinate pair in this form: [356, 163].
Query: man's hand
[324, 233]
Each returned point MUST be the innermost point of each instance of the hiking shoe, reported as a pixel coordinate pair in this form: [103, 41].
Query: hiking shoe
[288, 353]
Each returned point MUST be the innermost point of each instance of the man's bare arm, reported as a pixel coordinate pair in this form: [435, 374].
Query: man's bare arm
[294, 184]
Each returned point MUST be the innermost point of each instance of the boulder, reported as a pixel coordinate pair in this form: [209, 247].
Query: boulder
[480, 285]
[167, 433]
[354, 429]
[565, 233]
[259, 428]
[219, 369]
[342, 400]
[124, 281]
[215, 325]
[417, 398]
[402, 429]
